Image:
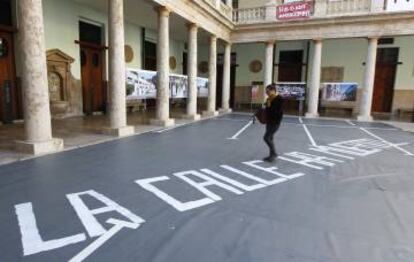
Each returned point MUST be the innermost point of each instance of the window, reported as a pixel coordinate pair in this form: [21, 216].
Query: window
[90, 33]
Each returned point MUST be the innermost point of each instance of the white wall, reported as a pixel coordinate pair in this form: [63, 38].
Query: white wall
[347, 53]
[61, 30]
[351, 53]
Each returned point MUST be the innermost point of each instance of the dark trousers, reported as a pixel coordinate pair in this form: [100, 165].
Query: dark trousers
[271, 129]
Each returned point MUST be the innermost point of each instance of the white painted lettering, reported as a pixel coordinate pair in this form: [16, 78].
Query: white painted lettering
[31, 240]
[208, 181]
[258, 179]
[87, 216]
[329, 150]
[147, 184]
[306, 160]
[272, 170]
[232, 181]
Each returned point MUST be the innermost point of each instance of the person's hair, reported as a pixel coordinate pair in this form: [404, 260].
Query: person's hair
[271, 87]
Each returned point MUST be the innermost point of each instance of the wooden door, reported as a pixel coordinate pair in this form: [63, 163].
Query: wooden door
[386, 69]
[8, 100]
[92, 73]
[383, 88]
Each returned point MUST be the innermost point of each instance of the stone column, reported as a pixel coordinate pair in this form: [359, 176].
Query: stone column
[192, 73]
[368, 85]
[315, 80]
[117, 93]
[37, 119]
[212, 78]
[229, 3]
[163, 70]
[268, 68]
[225, 101]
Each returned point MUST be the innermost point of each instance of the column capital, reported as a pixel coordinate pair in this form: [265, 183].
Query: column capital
[228, 43]
[163, 10]
[317, 40]
[269, 42]
[191, 26]
[373, 38]
[213, 37]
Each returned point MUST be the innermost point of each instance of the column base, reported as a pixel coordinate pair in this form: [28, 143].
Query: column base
[119, 132]
[195, 117]
[311, 115]
[364, 118]
[225, 111]
[164, 123]
[40, 148]
[210, 113]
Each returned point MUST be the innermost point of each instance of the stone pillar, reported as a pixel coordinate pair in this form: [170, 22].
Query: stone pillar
[37, 119]
[368, 85]
[163, 70]
[315, 80]
[268, 70]
[225, 101]
[212, 78]
[229, 3]
[117, 93]
[192, 73]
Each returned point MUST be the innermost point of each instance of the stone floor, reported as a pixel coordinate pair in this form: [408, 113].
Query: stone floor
[78, 131]
[87, 130]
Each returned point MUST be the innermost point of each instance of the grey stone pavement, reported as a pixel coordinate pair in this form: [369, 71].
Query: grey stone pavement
[340, 191]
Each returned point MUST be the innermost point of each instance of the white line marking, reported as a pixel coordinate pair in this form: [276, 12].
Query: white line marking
[349, 122]
[118, 226]
[241, 131]
[320, 125]
[396, 146]
[300, 120]
[169, 128]
[309, 135]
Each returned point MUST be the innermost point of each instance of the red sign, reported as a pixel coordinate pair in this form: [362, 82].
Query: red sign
[296, 10]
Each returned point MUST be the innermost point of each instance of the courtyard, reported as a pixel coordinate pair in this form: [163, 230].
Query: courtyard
[341, 190]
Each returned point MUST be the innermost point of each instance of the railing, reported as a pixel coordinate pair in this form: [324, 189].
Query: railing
[213, 3]
[226, 10]
[346, 7]
[249, 15]
[221, 7]
[320, 9]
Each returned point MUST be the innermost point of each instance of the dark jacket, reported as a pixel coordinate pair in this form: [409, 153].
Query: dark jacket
[274, 112]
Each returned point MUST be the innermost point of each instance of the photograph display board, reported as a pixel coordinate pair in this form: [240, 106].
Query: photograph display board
[292, 91]
[142, 84]
[339, 91]
[178, 86]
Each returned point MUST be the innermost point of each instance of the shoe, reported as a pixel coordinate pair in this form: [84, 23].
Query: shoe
[269, 159]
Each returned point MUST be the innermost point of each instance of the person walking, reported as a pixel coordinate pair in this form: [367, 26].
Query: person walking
[274, 116]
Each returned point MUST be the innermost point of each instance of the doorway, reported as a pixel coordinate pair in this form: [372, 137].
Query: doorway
[92, 58]
[150, 56]
[385, 73]
[290, 70]
[8, 87]
[290, 66]
[219, 82]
